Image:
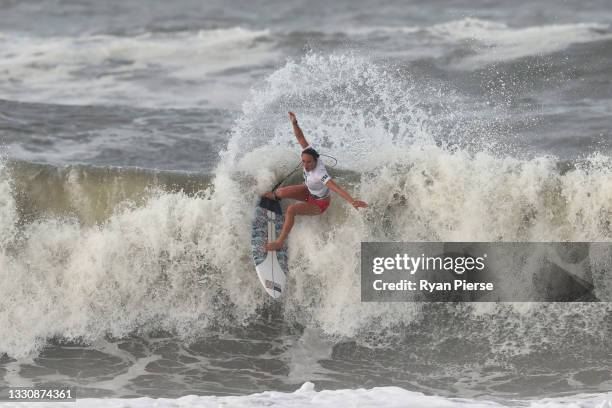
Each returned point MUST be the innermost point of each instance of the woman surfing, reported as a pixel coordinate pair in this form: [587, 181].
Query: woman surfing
[314, 192]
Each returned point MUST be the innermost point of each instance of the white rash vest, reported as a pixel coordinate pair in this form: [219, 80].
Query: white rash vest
[317, 179]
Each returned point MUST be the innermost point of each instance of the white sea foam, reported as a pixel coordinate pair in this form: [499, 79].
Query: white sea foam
[148, 70]
[176, 69]
[8, 208]
[499, 42]
[306, 396]
[492, 42]
[181, 262]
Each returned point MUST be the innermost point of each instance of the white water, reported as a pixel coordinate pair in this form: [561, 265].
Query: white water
[495, 43]
[306, 396]
[180, 262]
[149, 70]
[179, 70]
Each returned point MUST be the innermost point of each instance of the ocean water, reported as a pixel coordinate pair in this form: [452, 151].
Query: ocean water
[135, 138]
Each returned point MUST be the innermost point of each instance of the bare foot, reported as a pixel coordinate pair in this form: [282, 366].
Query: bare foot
[274, 246]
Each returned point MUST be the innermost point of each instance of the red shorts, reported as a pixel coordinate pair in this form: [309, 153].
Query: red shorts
[322, 203]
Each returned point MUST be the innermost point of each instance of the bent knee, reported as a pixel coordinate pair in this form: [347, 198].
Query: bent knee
[279, 192]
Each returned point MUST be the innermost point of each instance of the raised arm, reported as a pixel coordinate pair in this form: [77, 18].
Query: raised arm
[299, 135]
[336, 188]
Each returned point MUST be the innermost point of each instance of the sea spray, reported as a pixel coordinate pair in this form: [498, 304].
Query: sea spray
[180, 260]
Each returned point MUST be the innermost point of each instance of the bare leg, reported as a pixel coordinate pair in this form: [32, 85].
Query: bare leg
[296, 192]
[292, 211]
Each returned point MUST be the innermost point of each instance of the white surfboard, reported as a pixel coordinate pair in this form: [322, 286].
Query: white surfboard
[271, 266]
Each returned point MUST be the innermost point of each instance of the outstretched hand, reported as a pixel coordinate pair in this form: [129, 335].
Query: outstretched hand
[292, 118]
[359, 204]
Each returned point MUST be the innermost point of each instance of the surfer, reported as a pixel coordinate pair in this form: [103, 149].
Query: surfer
[314, 192]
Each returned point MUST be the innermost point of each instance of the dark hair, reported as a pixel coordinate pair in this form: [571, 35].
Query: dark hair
[311, 152]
